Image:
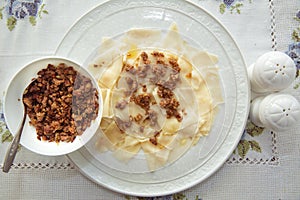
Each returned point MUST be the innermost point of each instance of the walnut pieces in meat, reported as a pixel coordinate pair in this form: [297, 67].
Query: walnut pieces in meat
[163, 73]
[150, 72]
[143, 100]
[61, 103]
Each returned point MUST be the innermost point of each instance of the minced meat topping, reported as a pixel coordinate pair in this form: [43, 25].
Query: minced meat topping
[61, 103]
[151, 70]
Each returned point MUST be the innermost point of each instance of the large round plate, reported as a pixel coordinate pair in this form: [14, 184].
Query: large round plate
[115, 17]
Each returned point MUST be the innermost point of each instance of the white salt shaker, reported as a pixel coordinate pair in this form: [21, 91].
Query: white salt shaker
[277, 112]
[273, 71]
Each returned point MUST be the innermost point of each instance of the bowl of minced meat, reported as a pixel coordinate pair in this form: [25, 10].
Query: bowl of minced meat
[63, 105]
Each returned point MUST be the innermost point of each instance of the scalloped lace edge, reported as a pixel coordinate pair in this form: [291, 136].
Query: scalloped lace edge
[273, 160]
[273, 25]
[41, 165]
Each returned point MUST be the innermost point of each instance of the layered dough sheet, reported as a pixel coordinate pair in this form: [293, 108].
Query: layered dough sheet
[160, 95]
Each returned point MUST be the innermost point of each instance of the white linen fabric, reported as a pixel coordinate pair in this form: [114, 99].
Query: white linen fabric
[267, 169]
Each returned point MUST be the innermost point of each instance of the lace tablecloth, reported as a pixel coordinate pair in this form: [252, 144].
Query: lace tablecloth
[265, 164]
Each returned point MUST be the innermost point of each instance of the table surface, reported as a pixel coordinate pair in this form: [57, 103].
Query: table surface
[265, 164]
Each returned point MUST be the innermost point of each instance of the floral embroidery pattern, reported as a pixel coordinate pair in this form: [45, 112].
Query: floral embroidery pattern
[6, 136]
[294, 48]
[296, 32]
[245, 145]
[15, 10]
[234, 6]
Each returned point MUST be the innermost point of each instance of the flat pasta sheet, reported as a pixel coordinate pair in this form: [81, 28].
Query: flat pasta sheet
[160, 95]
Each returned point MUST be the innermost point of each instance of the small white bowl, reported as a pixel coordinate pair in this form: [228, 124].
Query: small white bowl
[14, 109]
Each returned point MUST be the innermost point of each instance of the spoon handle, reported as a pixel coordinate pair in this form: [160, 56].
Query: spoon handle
[11, 153]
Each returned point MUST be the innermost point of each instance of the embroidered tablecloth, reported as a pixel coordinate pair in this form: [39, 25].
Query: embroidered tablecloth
[265, 164]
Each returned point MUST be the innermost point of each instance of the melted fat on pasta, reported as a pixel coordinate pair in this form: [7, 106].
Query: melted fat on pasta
[155, 101]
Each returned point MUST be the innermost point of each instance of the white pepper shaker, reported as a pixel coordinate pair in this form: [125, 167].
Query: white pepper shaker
[277, 112]
[273, 71]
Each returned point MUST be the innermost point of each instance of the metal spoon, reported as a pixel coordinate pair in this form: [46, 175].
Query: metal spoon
[12, 151]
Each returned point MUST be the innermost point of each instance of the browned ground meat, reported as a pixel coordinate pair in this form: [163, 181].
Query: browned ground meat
[61, 103]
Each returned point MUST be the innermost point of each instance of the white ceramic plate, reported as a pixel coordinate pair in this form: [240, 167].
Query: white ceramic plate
[200, 29]
[13, 109]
